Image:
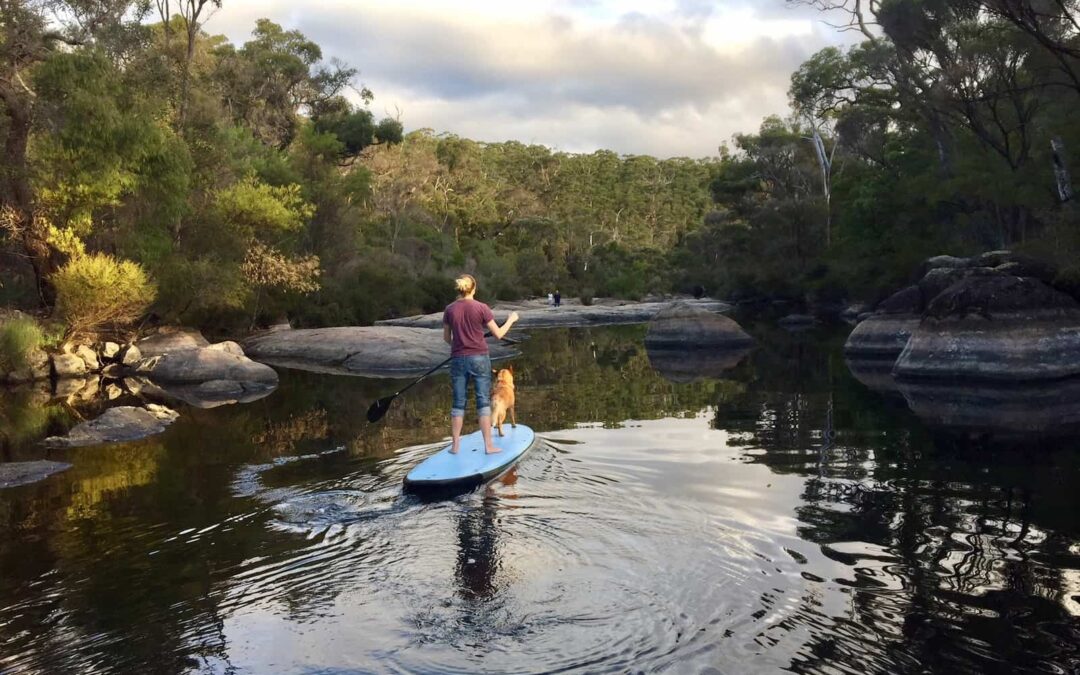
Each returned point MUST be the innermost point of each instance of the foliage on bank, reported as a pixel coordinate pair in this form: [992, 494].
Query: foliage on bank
[246, 185]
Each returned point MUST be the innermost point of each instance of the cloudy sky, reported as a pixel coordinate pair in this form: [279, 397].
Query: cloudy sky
[660, 77]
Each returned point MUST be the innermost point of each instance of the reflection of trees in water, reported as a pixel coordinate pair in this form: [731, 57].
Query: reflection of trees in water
[967, 546]
[955, 553]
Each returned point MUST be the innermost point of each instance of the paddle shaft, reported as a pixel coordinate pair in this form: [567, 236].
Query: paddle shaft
[419, 379]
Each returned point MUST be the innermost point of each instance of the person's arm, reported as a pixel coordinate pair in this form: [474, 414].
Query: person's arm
[498, 331]
[447, 336]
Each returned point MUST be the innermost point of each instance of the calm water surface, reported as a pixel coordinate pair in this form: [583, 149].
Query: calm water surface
[772, 515]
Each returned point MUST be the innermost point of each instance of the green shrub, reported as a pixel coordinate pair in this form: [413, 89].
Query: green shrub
[587, 297]
[18, 339]
[98, 290]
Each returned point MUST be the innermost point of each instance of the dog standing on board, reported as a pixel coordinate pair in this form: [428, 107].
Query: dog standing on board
[502, 399]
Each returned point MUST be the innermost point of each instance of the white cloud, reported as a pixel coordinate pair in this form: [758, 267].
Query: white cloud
[663, 77]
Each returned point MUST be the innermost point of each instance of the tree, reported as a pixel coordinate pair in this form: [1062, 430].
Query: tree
[27, 39]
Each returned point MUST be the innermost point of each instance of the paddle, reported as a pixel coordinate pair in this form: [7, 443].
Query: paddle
[379, 408]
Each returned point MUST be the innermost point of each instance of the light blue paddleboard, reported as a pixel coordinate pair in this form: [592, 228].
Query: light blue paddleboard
[471, 465]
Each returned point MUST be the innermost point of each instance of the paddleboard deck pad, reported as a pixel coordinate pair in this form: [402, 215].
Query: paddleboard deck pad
[472, 466]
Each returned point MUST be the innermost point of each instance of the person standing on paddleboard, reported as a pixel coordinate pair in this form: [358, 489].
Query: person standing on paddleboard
[464, 321]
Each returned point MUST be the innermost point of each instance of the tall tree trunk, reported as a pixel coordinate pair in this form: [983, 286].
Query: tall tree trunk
[18, 195]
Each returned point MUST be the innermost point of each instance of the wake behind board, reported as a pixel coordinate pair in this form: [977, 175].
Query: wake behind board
[471, 465]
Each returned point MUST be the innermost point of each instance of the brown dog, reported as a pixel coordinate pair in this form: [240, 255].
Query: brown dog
[502, 398]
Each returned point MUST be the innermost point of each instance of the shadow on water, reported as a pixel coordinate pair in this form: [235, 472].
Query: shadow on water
[753, 514]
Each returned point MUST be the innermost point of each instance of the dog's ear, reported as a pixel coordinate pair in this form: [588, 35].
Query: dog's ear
[494, 371]
[511, 369]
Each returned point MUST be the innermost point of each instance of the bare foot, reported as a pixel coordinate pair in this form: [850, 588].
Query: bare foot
[492, 450]
[453, 450]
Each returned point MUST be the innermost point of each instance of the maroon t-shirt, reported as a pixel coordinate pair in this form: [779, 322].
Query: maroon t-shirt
[467, 320]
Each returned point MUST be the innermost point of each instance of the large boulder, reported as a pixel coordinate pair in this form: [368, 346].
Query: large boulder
[683, 326]
[171, 340]
[116, 425]
[195, 366]
[995, 327]
[374, 351]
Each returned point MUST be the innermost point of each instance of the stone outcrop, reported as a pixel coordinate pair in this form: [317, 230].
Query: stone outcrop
[990, 348]
[195, 366]
[536, 314]
[683, 326]
[13, 474]
[373, 351]
[995, 327]
[116, 425]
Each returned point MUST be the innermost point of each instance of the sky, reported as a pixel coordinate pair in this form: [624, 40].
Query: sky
[666, 78]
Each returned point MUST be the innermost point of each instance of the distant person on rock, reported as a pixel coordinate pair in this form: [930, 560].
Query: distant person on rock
[551, 300]
[464, 321]
[558, 298]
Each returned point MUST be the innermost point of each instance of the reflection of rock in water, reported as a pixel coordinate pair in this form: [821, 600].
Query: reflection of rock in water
[688, 365]
[874, 374]
[1028, 412]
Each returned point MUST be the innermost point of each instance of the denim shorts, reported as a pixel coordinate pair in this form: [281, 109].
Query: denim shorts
[476, 369]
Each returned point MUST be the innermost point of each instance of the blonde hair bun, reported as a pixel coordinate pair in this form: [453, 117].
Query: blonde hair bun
[465, 284]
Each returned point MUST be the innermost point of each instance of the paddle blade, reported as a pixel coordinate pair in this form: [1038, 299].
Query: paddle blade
[379, 408]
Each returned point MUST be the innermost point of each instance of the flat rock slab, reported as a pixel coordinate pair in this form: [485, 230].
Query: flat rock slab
[569, 316]
[117, 425]
[13, 474]
[372, 351]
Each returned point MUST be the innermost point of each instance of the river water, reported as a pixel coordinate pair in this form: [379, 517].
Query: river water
[770, 515]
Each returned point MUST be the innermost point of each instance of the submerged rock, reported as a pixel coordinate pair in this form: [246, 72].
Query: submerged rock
[683, 326]
[205, 395]
[121, 424]
[13, 474]
[375, 351]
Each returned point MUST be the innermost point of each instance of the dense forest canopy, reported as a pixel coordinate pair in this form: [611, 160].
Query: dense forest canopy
[226, 185]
